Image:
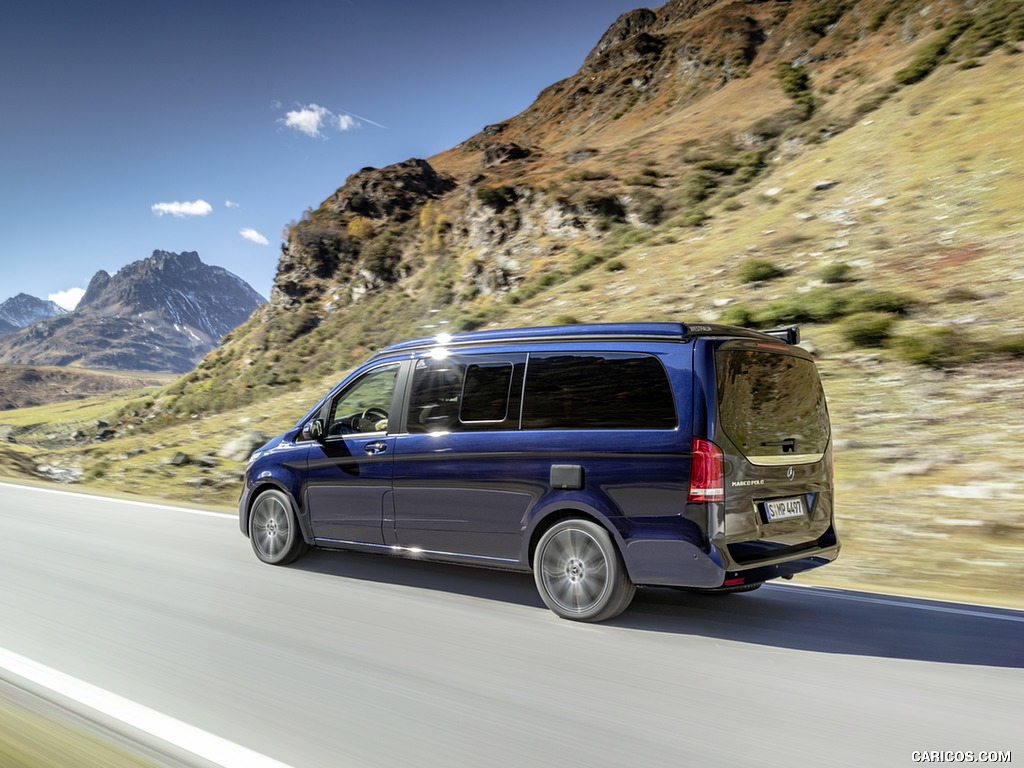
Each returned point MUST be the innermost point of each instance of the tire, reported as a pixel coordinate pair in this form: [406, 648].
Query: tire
[579, 572]
[273, 529]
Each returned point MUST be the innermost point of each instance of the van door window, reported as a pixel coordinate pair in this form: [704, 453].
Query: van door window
[365, 405]
[597, 391]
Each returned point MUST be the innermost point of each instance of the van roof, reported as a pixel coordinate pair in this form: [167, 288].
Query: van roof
[640, 331]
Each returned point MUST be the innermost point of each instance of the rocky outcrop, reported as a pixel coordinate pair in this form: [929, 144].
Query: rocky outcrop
[394, 192]
[351, 240]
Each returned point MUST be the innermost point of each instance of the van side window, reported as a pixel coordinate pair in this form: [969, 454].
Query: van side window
[462, 395]
[597, 391]
[485, 392]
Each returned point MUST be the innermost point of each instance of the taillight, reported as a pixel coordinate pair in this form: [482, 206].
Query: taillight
[706, 483]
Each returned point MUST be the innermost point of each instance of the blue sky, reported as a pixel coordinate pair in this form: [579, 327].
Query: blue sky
[129, 127]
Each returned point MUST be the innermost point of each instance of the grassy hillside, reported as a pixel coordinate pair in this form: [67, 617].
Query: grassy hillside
[29, 385]
[852, 166]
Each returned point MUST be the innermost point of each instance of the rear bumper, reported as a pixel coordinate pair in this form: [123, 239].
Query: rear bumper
[674, 563]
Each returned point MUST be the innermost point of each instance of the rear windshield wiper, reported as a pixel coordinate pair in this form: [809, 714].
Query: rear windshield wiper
[788, 445]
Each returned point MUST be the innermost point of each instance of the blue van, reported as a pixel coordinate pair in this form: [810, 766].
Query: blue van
[599, 457]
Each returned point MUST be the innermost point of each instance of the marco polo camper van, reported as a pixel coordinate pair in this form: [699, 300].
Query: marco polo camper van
[599, 457]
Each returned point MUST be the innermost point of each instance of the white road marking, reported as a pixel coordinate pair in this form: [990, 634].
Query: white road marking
[200, 743]
[898, 601]
[116, 500]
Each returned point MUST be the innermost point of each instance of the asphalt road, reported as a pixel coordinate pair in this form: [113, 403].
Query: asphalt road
[359, 660]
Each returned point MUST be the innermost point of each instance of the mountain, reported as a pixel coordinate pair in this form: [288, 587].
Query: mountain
[163, 313]
[822, 143]
[21, 310]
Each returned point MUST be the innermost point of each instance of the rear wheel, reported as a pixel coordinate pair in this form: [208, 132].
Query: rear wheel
[579, 572]
[273, 530]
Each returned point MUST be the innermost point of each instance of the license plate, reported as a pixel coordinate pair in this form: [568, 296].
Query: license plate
[784, 509]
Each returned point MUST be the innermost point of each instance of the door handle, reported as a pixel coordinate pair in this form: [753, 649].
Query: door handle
[374, 448]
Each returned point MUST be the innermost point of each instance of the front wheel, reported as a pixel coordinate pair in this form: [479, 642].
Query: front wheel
[273, 530]
[579, 572]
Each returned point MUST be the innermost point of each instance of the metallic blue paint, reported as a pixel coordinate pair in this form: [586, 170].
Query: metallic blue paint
[485, 497]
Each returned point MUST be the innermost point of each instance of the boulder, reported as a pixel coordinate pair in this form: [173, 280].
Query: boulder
[242, 447]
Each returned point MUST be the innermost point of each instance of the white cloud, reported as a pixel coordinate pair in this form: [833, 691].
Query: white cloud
[314, 120]
[308, 120]
[181, 210]
[254, 236]
[231, 204]
[67, 299]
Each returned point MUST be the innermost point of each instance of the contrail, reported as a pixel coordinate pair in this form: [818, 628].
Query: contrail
[365, 119]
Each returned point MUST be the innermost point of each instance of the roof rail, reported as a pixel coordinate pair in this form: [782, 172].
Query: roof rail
[789, 334]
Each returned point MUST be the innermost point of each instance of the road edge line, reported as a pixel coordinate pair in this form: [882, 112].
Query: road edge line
[176, 733]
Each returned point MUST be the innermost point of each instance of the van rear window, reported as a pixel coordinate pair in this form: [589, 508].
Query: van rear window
[771, 405]
[597, 391]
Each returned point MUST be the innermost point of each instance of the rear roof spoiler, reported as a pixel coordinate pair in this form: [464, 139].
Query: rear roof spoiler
[790, 334]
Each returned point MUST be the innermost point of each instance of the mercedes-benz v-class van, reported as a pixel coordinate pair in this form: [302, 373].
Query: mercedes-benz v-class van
[599, 457]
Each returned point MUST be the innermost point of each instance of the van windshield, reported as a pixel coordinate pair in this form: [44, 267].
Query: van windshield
[772, 406]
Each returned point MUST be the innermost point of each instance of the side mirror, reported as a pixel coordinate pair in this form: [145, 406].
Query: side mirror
[314, 429]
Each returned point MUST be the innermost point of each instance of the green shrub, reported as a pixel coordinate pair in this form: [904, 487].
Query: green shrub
[567, 320]
[692, 218]
[823, 14]
[960, 295]
[721, 165]
[697, 187]
[796, 83]
[946, 347]
[741, 316]
[758, 271]
[933, 54]
[382, 255]
[772, 126]
[874, 100]
[616, 265]
[534, 287]
[584, 261]
[867, 329]
[820, 305]
[649, 208]
[840, 272]
[498, 198]
[606, 208]
[880, 301]
[589, 175]
[1012, 345]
